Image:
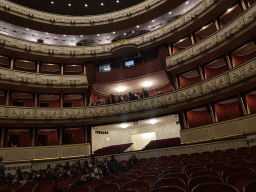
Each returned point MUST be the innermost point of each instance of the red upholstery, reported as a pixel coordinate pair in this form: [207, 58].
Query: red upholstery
[227, 172]
[250, 187]
[107, 188]
[172, 182]
[151, 179]
[121, 181]
[112, 149]
[185, 82]
[51, 136]
[79, 189]
[251, 102]
[181, 176]
[228, 111]
[220, 168]
[240, 59]
[76, 135]
[26, 189]
[132, 176]
[192, 170]
[249, 165]
[204, 172]
[93, 184]
[139, 173]
[211, 72]
[162, 143]
[206, 179]
[168, 189]
[141, 186]
[118, 174]
[46, 185]
[198, 117]
[61, 184]
[229, 16]
[24, 139]
[215, 187]
[151, 173]
[31, 184]
[109, 178]
[239, 180]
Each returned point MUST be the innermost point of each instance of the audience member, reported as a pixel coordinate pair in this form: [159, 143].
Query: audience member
[18, 178]
[144, 94]
[62, 173]
[99, 101]
[114, 164]
[157, 92]
[120, 99]
[8, 179]
[97, 171]
[2, 169]
[113, 98]
[75, 176]
[66, 167]
[28, 178]
[87, 177]
[126, 97]
[108, 101]
[132, 161]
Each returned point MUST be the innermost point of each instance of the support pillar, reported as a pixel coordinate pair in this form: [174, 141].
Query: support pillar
[2, 137]
[228, 61]
[61, 135]
[85, 134]
[36, 99]
[201, 73]
[212, 113]
[242, 104]
[216, 24]
[184, 120]
[61, 69]
[12, 62]
[7, 97]
[192, 38]
[170, 49]
[61, 100]
[38, 67]
[243, 4]
[33, 136]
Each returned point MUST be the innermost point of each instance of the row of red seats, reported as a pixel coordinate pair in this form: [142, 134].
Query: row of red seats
[162, 143]
[112, 149]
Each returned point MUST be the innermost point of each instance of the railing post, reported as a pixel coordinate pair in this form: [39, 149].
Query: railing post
[61, 69]
[38, 67]
[201, 73]
[184, 120]
[12, 62]
[242, 104]
[7, 97]
[61, 135]
[228, 61]
[212, 113]
[2, 137]
[33, 136]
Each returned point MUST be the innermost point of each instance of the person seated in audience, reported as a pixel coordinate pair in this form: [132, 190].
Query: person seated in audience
[97, 171]
[75, 176]
[104, 169]
[113, 98]
[126, 97]
[66, 167]
[48, 167]
[144, 94]
[114, 164]
[108, 101]
[82, 169]
[132, 96]
[18, 178]
[39, 176]
[99, 101]
[85, 163]
[62, 173]
[132, 161]
[157, 92]
[28, 178]
[78, 164]
[8, 179]
[87, 177]
[120, 99]
[107, 164]
[135, 95]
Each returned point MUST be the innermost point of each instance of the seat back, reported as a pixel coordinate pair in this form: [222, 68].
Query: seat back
[220, 168]
[25, 189]
[239, 180]
[79, 189]
[109, 178]
[213, 187]
[151, 179]
[181, 176]
[141, 186]
[132, 176]
[168, 189]
[206, 179]
[230, 171]
[118, 174]
[107, 188]
[250, 187]
[204, 172]
[151, 173]
[61, 184]
[121, 181]
[31, 184]
[172, 182]
[46, 185]
[96, 183]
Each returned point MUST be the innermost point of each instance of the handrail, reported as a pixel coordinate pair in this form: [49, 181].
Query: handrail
[41, 78]
[226, 79]
[164, 31]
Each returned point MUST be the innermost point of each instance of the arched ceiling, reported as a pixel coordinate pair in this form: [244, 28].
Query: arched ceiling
[78, 7]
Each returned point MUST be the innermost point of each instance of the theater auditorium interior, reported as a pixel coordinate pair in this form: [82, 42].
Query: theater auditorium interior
[128, 96]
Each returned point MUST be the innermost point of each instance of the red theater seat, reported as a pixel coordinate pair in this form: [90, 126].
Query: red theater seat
[151, 179]
[250, 187]
[121, 181]
[141, 186]
[93, 184]
[46, 185]
[168, 189]
[61, 184]
[240, 180]
[204, 172]
[215, 187]
[172, 182]
[107, 188]
[227, 172]
[109, 178]
[79, 189]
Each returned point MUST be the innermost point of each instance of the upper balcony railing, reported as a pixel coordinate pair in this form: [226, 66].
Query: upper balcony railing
[105, 50]
[42, 79]
[215, 39]
[84, 20]
[224, 80]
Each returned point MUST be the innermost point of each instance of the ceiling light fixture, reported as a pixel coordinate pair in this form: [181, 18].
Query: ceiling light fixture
[124, 126]
[102, 4]
[52, 2]
[86, 5]
[170, 13]
[81, 36]
[117, 1]
[147, 83]
[121, 89]
[230, 9]
[69, 5]
[153, 121]
[137, 26]
[187, 2]
[153, 21]
[114, 32]
[124, 33]
[27, 29]
[98, 35]
[64, 35]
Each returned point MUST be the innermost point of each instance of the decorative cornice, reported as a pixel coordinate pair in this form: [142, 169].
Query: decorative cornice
[222, 35]
[224, 80]
[141, 41]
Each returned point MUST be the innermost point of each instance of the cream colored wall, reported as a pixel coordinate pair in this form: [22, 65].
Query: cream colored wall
[163, 130]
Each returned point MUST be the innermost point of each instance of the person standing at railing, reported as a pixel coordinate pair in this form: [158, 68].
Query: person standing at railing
[2, 170]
